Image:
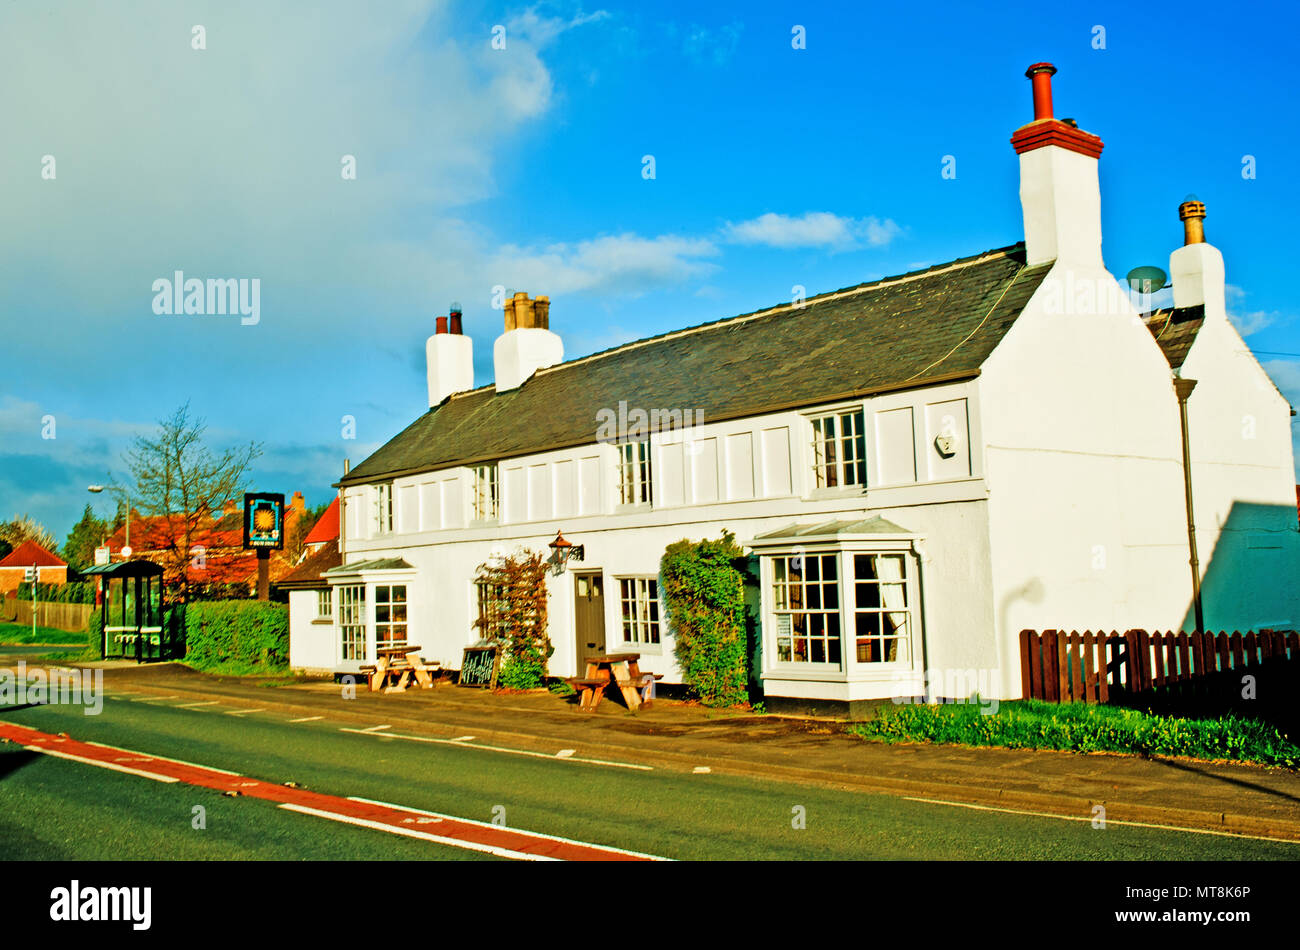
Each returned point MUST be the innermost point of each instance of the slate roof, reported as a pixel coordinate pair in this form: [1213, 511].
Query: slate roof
[1175, 330]
[899, 332]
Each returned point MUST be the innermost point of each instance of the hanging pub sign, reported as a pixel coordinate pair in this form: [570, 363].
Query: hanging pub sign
[264, 521]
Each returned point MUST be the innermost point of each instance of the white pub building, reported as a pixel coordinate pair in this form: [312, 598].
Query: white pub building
[921, 466]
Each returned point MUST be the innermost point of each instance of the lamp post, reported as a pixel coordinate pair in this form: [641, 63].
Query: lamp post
[126, 548]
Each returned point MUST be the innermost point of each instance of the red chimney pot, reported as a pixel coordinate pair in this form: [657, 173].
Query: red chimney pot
[455, 322]
[1040, 74]
[441, 325]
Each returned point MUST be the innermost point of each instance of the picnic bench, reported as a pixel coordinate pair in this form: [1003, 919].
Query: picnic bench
[623, 671]
[400, 662]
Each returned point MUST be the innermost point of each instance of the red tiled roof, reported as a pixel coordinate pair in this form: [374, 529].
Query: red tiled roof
[308, 573]
[326, 527]
[30, 553]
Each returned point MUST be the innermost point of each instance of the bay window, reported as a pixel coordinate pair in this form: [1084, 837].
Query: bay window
[352, 621]
[806, 604]
[390, 614]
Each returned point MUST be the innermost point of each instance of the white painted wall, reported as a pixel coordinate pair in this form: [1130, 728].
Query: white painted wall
[312, 646]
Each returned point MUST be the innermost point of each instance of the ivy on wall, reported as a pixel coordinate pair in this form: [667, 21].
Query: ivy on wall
[516, 617]
[703, 590]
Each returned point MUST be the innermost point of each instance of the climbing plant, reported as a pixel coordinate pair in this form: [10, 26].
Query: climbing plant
[515, 615]
[703, 590]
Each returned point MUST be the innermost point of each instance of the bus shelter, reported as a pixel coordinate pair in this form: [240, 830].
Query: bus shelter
[130, 600]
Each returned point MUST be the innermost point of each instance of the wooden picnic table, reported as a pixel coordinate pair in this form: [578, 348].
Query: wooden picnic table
[403, 661]
[621, 669]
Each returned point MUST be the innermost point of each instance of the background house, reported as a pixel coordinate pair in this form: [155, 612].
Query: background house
[13, 567]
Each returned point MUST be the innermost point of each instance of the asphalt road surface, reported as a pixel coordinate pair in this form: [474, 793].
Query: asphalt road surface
[56, 807]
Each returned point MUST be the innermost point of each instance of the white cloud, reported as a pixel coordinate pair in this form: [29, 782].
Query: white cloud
[714, 47]
[813, 229]
[1250, 321]
[625, 263]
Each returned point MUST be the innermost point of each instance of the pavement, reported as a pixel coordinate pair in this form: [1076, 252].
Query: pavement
[1178, 793]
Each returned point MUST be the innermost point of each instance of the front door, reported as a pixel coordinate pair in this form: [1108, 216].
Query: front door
[589, 617]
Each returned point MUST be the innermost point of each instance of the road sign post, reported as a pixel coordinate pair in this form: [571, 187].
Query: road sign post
[32, 575]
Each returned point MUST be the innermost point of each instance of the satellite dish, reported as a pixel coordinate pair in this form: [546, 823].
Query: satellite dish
[1147, 279]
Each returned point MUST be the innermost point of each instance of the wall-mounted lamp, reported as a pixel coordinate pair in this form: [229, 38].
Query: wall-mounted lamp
[564, 551]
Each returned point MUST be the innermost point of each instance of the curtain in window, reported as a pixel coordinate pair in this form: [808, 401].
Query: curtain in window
[894, 597]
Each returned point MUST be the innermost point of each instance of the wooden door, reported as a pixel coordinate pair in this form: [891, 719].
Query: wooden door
[589, 617]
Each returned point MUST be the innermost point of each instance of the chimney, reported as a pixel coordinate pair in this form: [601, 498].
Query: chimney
[1192, 214]
[527, 344]
[450, 358]
[1196, 268]
[1059, 191]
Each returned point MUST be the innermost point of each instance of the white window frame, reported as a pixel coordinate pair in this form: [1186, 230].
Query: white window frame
[795, 603]
[485, 499]
[849, 668]
[486, 601]
[838, 474]
[352, 622]
[635, 475]
[325, 598]
[887, 613]
[405, 609]
[384, 508]
[641, 613]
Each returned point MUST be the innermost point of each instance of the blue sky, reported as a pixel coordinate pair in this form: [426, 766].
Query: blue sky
[523, 167]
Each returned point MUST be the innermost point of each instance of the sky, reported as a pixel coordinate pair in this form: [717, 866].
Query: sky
[647, 167]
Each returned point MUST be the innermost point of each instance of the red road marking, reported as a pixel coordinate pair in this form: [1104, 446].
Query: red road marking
[507, 841]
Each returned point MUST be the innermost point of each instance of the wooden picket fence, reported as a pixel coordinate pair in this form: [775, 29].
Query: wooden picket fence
[1105, 667]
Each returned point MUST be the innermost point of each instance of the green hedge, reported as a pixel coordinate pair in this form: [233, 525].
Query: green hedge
[237, 636]
[73, 592]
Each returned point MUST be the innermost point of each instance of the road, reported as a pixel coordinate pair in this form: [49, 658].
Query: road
[57, 808]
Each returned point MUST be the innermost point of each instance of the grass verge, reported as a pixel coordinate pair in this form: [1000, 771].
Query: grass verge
[18, 633]
[1081, 727]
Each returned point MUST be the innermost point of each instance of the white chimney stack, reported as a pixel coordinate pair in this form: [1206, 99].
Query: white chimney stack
[1059, 191]
[1196, 268]
[527, 344]
[450, 356]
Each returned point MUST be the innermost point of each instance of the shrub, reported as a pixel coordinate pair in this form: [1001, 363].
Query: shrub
[237, 636]
[703, 588]
[95, 634]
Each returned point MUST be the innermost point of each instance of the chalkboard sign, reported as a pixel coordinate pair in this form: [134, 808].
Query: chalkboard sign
[479, 667]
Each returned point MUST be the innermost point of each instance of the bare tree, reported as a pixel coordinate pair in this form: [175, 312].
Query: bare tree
[24, 528]
[180, 484]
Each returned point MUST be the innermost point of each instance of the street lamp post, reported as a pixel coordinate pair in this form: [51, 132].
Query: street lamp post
[126, 548]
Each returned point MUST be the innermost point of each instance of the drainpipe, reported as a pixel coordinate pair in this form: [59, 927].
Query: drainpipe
[343, 511]
[1183, 389]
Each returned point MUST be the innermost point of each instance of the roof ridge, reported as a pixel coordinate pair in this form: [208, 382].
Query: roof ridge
[878, 284]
